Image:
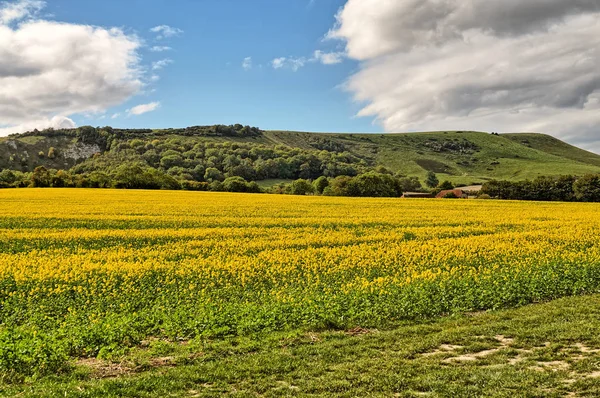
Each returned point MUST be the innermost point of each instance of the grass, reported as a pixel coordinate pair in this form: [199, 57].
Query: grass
[554, 146]
[540, 350]
[505, 156]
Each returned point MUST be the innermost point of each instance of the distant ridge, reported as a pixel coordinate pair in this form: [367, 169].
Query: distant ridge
[463, 157]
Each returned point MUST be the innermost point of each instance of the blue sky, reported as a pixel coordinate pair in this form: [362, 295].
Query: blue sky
[311, 65]
[206, 82]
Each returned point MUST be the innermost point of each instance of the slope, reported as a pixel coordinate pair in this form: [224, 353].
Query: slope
[461, 157]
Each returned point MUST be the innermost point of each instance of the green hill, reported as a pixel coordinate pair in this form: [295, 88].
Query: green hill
[461, 157]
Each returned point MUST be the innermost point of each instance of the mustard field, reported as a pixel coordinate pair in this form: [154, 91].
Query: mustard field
[86, 273]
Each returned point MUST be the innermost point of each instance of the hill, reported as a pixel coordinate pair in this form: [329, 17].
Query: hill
[461, 157]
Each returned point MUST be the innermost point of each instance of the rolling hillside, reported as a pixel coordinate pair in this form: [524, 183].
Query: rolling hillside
[461, 157]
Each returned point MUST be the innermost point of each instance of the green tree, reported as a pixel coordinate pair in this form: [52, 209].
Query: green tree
[41, 177]
[301, 187]
[587, 188]
[320, 184]
[373, 184]
[213, 174]
[235, 184]
[431, 180]
[409, 184]
[446, 185]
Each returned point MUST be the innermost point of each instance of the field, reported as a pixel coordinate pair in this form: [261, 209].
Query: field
[102, 273]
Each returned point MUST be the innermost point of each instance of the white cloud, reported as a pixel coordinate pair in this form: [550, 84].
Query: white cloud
[160, 49]
[292, 63]
[278, 63]
[154, 78]
[495, 65]
[161, 64]
[295, 64]
[115, 116]
[247, 63]
[143, 108]
[165, 31]
[10, 12]
[49, 68]
[328, 58]
[56, 122]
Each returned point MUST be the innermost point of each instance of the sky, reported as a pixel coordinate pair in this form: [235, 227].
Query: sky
[304, 65]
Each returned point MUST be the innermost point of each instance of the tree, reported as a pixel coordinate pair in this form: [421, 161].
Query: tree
[409, 184]
[40, 177]
[446, 185]
[7, 176]
[301, 187]
[587, 188]
[99, 179]
[320, 184]
[213, 174]
[61, 179]
[235, 184]
[431, 180]
[373, 184]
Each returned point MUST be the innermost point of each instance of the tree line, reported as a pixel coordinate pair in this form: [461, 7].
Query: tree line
[562, 188]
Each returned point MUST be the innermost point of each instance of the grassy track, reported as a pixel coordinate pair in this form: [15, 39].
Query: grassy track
[541, 350]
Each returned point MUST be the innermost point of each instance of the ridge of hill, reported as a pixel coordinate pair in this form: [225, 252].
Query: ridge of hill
[463, 157]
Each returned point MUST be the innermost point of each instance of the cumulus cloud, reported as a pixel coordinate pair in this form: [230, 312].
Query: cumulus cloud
[165, 31]
[49, 68]
[143, 108]
[247, 63]
[161, 64]
[495, 65]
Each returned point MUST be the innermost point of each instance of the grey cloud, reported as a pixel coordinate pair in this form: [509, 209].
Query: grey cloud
[495, 65]
[405, 24]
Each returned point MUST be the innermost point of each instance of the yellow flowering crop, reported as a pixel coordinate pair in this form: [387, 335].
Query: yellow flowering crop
[102, 267]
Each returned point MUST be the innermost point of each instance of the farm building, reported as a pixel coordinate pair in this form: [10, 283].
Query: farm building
[459, 193]
[414, 195]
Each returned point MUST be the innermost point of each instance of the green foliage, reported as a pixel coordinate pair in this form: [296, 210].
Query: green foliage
[41, 177]
[562, 188]
[407, 359]
[431, 180]
[587, 188]
[409, 184]
[235, 184]
[445, 185]
[301, 187]
[213, 174]
[373, 184]
[26, 353]
[320, 184]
